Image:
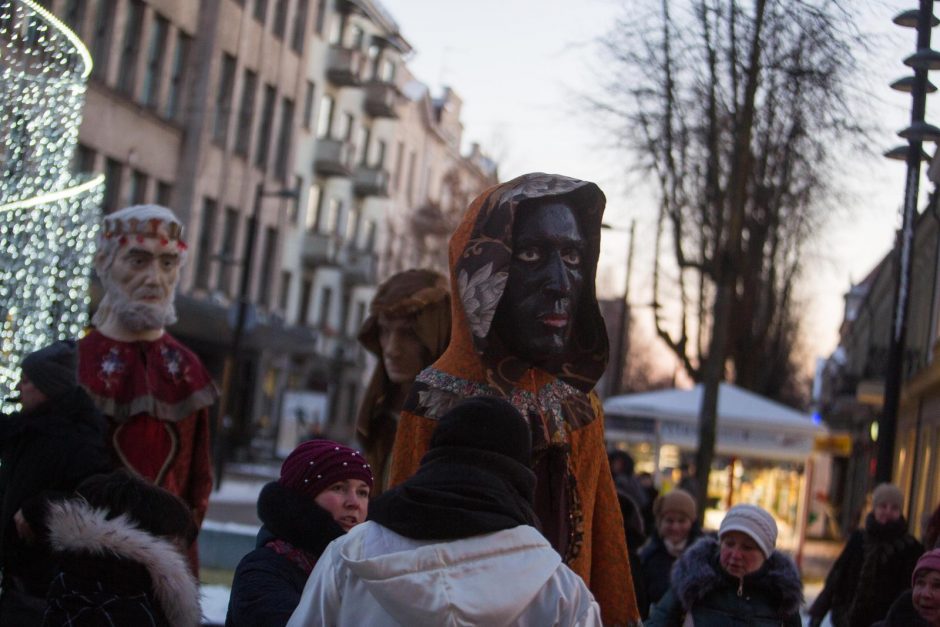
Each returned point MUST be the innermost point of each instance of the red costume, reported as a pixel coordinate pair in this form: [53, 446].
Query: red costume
[156, 395]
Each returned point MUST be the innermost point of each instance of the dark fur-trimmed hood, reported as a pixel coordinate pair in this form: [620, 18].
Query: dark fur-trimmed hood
[296, 518]
[697, 573]
[75, 527]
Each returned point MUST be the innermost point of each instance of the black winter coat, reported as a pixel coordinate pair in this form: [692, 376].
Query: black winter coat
[874, 568]
[267, 586]
[48, 450]
[902, 614]
[700, 586]
[656, 566]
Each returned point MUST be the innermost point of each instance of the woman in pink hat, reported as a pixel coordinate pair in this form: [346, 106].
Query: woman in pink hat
[919, 606]
[322, 493]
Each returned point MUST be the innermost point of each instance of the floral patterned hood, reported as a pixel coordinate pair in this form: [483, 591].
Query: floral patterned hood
[480, 255]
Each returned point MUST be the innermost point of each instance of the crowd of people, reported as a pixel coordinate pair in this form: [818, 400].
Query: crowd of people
[483, 495]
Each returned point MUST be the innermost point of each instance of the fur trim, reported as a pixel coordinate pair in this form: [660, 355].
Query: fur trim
[696, 574]
[76, 527]
[296, 518]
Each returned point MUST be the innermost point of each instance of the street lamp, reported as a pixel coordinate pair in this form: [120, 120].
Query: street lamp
[919, 131]
[233, 361]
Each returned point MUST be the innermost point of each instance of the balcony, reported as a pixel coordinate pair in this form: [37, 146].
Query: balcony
[381, 99]
[333, 157]
[359, 268]
[344, 66]
[371, 182]
[318, 248]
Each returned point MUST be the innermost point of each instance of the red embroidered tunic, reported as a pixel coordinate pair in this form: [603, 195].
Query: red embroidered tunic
[156, 396]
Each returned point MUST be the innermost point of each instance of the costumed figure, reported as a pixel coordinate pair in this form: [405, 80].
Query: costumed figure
[322, 493]
[526, 327]
[407, 329]
[455, 544]
[154, 391]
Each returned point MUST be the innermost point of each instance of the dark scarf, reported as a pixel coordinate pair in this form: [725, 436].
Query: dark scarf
[295, 520]
[458, 493]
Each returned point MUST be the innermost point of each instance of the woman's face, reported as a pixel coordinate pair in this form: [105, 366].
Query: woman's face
[926, 596]
[347, 501]
[674, 527]
[739, 554]
[887, 512]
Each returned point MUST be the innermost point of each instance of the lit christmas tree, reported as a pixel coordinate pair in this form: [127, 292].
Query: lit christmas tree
[48, 215]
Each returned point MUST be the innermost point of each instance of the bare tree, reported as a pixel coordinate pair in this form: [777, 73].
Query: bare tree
[737, 109]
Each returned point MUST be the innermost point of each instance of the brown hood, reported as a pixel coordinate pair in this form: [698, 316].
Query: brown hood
[480, 255]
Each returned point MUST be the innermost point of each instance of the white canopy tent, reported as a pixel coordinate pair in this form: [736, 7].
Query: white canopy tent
[749, 425]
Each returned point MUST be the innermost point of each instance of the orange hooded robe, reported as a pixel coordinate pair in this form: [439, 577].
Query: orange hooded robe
[575, 499]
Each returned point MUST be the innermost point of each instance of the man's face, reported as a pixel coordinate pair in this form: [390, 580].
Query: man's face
[30, 396]
[537, 311]
[402, 352]
[145, 273]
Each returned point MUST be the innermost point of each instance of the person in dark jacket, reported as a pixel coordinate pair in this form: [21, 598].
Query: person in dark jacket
[919, 606]
[739, 579]
[121, 551]
[634, 530]
[676, 530]
[873, 568]
[323, 492]
[55, 441]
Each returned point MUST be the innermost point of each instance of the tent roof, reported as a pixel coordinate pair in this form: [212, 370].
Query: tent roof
[736, 407]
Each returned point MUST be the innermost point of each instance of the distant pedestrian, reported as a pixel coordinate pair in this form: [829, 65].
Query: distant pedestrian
[932, 530]
[676, 530]
[455, 544]
[636, 536]
[322, 493]
[920, 606]
[55, 441]
[121, 548]
[648, 485]
[873, 568]
[739, 579]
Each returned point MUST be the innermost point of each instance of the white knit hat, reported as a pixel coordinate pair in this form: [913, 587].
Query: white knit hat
[753, 522]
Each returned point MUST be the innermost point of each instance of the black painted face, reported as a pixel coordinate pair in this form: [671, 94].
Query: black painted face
[537, 311]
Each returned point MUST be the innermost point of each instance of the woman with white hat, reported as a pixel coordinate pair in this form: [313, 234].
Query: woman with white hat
[737, 579]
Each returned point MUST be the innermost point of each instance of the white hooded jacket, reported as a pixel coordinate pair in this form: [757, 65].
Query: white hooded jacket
[373, 576]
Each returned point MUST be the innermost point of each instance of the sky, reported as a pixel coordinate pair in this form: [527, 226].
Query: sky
[520, 65]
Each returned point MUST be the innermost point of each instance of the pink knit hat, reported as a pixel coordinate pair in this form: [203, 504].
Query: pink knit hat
[315, 465]
[928, 561]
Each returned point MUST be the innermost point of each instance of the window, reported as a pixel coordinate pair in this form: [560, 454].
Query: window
[164, 193]
[321, 16]
[352, 216]
[387, 73]
[137, 190]
[412, 159]
[150, 92]
[380, 154]
[346, 127]
[204, 252]
[362, 146]
[280, 18]
[223, 98]
[336, 32]
[227, 249]
[303, 308]
[75, 15]
[373, 56]
[330, 217]
[313, 208]
[293, 206]
[268, 256]
[84, 159]
[399, 160]
[112, 185]
[261, 10]
[178, 75]
[326, 301]
[246, 112]
[284, 137]
[285, 290]
[369, 229]
[325, 117]
[127, 71]
[355, 37]
[264, 129]
[104, 26]
[300, 27]
[308, 105]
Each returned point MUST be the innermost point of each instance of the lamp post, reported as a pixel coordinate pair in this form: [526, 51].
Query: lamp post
[233, 363]
[919, 131]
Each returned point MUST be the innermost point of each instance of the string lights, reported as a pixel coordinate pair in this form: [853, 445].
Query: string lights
[48, 215]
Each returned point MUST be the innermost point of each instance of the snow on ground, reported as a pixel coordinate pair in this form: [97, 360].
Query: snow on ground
[214, 603]
[238, 491]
